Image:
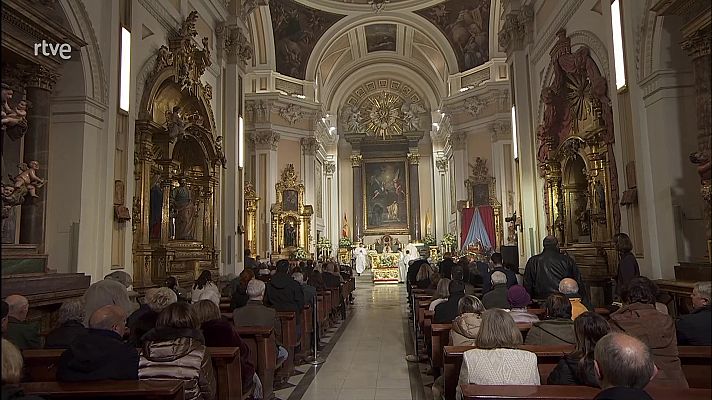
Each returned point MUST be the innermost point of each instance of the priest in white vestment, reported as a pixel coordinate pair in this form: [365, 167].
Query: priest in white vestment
[360, 258]
[410, 254]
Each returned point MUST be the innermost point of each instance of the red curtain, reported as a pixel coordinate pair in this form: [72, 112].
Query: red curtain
[487, 215]
[467, 215]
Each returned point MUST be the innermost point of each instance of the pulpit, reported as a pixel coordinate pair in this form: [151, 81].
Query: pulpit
[291, 218]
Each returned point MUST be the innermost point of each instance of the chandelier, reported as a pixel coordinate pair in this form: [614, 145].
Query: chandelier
[378, 5]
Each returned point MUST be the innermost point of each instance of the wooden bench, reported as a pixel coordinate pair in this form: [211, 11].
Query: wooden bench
[41, 366]
[557, 392]
[149, 390]
[288, 339]
[696, 365]
[307, 329]
[540, 312]
[263, 354]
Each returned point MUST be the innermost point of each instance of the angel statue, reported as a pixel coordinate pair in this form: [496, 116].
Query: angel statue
[352, 116]
[13, 117]
[175, 123]
[28, 178]
[411, 116]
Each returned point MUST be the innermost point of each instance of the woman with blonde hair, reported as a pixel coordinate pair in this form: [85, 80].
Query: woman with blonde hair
[497, 359]
[467, 324]
[12, 373]
[442, 292]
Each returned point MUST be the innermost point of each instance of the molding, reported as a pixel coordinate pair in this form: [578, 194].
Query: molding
[100, 90]
[664, 80]
[546, 39]
[164, 17]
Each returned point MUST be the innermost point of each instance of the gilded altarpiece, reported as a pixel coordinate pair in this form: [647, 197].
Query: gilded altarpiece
[177, 159]
[251, 201]
[577, 162]
[291, 218]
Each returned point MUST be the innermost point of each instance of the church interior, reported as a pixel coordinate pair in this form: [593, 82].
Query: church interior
[336, 170]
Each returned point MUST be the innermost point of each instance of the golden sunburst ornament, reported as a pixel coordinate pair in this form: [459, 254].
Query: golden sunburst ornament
[384, 118]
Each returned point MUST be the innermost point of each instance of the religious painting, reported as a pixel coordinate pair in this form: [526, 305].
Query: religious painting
[290, 233]
[297, 29]
[385, 188]
[290, 200]
[465, 24]
[480, 194]
[380, 37]
[318, 177]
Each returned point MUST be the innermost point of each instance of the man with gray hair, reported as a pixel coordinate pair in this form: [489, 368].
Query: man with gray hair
[569, 288]
[70, 317]
[113, 289]
[255, 313]
[497, 297]
[101, 354]
[22, 334]
[309, 291]
[624, 366]
[156, 301]
[693, 329]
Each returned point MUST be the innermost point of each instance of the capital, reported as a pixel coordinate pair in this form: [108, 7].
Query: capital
[265, 139]
[413, 158]
[442, 164]
[329, 168]
[309, 145]
[516, 30]
[41, 77]
[698, 43]
[237, 45]
[356, 160]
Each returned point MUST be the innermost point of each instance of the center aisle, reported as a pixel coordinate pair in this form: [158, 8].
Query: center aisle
[367, 361]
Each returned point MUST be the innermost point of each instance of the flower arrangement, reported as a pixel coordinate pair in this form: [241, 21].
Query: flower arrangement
[449, 240]
[429, 240]
[324, 243]
[345, 242]
[299, 254]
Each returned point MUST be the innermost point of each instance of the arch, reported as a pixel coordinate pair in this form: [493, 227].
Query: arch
[93, 67]
[350, 22]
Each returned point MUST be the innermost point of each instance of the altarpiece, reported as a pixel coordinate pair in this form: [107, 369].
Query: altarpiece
[291, 218]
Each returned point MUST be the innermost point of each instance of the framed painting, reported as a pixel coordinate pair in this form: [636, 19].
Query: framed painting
[385, 196]
[290, 200]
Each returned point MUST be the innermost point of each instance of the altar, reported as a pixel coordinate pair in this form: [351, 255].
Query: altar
[384, 266]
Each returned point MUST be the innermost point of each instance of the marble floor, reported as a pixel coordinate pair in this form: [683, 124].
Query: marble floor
[365, 355]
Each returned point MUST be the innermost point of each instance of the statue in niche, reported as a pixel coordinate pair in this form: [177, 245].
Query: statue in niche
[600, 196]
[583, 217]
[156, 208]
[175, 123]
[184, 212]
[290, 234]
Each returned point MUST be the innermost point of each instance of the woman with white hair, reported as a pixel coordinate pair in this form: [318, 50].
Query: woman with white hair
[70, 317]
[156, 300]
[12, 373]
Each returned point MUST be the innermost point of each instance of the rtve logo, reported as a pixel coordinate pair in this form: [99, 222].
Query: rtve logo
[64, 50]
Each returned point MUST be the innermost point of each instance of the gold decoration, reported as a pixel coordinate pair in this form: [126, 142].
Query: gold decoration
[251, 201]
[481, 191]
[291, 218]
[383, 116]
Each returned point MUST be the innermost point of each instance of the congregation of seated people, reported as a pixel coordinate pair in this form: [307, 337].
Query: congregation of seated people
[105, 335]
[492, 321]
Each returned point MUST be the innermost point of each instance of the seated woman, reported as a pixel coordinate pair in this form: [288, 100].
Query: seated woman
[239, 296]
[577, 368]
[519, 299]
[557, 326]
[496, 360]
[220, 332]
[639, 318]
[467, 325]
[422, 280]
[70, 317]
[205, 288]
[172, 283]
[175, 349]
[441, 293]
[156, 301]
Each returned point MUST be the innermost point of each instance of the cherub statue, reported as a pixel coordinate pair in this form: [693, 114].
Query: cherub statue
[411, 116]
[17, 116]
[220, 152]
[28, 178]
[175, 123]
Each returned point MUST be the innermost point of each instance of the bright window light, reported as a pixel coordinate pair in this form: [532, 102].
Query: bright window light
[241, 142]
[514, 132]
[125, 73]
[618, 43]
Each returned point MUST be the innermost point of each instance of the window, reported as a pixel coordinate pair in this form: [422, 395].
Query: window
[618, 43]
[125, 71]
[514, 132]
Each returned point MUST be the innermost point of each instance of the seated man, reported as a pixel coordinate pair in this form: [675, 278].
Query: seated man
[694, 328]
[447, 311]
[70, 317]
[113, 289]
[101, 353]
[569, 288]
[331, 276]
[22, 334]
[624, 366]
[458, 274]
[283, 292]
[497, 297]
[254, 313]
[496, 265]
[309, 291]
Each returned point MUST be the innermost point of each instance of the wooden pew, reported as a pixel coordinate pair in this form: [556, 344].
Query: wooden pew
[307, 329]
[263, 354]
[556, 392]
[41, 366]
[149, 390]
[440, 336]
[288, 339]
[697, 365]
[539, 312]
[547, 358]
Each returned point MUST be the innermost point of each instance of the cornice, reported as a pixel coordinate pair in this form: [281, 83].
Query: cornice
[546, 39]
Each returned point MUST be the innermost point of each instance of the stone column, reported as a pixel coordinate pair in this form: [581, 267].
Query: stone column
[267, 174]
[309, 147]
[331, 205]
[413, 160]
[356, 165]
[442, 198]
[39, 86]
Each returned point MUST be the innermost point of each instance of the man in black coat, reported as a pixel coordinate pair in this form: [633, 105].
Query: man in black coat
[446, 266]
[100, 354]
[283, 292]
[544, 271]
[447, 311]
[249, 261]
[693, 329]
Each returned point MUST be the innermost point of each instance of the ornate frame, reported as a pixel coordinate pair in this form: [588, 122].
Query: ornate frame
[382, 231]
[302, 216]
[479, 175]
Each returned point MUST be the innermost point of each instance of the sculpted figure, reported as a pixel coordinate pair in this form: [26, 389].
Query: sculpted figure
[28, 178]
[175, 123]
